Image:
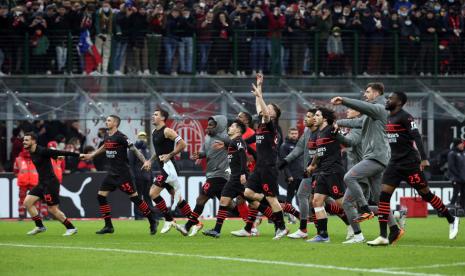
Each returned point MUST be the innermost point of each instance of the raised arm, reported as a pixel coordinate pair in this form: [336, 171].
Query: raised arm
[373, 110]
[55, 153]
[259, 102]
[351, 123]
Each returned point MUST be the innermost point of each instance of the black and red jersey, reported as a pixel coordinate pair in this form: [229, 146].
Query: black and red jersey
[237, 157]
[41, 159]
[267, 144]
[402, 132]
[116, 150]
[328, 151]
[311, 145]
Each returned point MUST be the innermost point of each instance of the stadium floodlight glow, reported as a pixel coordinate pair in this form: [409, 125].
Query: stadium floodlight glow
[162, 102]
[22, 107]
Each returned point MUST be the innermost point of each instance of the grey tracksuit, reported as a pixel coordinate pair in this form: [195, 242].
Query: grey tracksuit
[217, 159]
[305, 188]
[376, 154]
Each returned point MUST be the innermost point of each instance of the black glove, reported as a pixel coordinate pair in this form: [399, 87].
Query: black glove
[281, 164]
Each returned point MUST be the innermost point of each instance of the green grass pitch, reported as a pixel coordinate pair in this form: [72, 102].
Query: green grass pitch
[424, 250]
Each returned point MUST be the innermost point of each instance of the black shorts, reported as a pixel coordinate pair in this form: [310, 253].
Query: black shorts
[124, 183]
[233, 188]
[213, 187]
[264, 180]
[48, 191]
[160, 181]
[330, 184]
[409, 173]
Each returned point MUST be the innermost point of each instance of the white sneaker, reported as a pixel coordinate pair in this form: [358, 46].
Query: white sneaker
[281, 233]
[37, 230]
[139, 73]
[359, 238]
[181, 229]
[70, 232]
[95, 74]
[454, 228]
[254, 232]
[174, 74]
[118, 73]
[195, 229]
[48, 72]
[2, 74]
[298, 235]
[167, 226]
[379, 241]
[146, 72]
[350, 233]
[241, 233]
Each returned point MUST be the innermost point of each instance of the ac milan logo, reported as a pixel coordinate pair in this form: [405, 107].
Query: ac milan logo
[192, 132]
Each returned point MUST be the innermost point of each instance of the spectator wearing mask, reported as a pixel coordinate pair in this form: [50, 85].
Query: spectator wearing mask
[104, 23]
[456, 165]
[204, 40]
[27, 178]
[157, 23]
[335, 49]
[172, 39]
[293, 172]
[240, 18]
[258, 22]
[429, 27]
[409, 39]
[376, 27]
[87, 165]
[143, 179]
[186, 43]
[61, 26]
[138, 43]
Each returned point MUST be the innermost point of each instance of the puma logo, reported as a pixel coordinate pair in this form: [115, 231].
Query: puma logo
[76, 196]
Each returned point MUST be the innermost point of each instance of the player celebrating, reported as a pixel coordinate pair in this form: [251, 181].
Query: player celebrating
[262, 184]
[167, 144]
[116, 146]
[328, 171]
[48, 188]
[217, 171]
[406, 165]
[235, 186]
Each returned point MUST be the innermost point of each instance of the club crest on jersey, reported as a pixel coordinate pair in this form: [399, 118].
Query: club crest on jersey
[191, 132]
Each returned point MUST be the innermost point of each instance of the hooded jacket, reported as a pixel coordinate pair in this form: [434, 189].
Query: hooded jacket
[217, 159]
[375, 145]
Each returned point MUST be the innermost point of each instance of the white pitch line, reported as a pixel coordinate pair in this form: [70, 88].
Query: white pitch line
[425, 266]
[223, 258]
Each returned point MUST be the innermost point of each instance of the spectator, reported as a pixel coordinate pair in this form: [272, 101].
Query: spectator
[99, 160]
[204, 40]
[186, 43]
[74, 130]
[143, 179]
[454, 27]
[90, 57]
[16, 143]
[27, 179]
[324, 24]
[61, 26]
[122, 31]
[376, 28]
[296, 35]
[104, 24]
[86, 165]
[456, 165]
[444, 57]
[138, 43]
[4, 26]
[240, 18]
[428, 31]
[258, 23]
[39, 43]
[293, 172]
[19, 28]
[222, 43]
[276, 25]
[335, 49]
[171, 40]
[409, 39]
[157, 23]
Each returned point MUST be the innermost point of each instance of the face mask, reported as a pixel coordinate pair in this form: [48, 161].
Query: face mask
[408, 22]
[437, 8]
[385, 12]
[337, 10]
[403, 13]
[106, 9]
[346, 13]
[451, 1]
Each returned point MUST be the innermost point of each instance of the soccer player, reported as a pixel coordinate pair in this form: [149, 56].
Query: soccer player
[48, 188]
[262, 184]
[328, 171]
[167, 144]
[235, 186]
[217, 172]
[116, 146]
[407, 163]
[376, 151]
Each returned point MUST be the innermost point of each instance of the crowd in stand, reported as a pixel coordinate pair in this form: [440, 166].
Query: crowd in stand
[232, 37]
